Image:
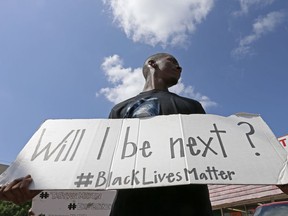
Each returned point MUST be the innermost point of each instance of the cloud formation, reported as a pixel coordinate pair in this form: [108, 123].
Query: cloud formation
[261, 26]
[159, 21]
[245, 5]
[127, 82]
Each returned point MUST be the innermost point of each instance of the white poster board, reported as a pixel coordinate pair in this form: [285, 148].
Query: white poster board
[73, 203]
[106, 154]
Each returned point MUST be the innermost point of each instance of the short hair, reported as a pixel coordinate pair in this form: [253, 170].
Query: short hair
[155, 57]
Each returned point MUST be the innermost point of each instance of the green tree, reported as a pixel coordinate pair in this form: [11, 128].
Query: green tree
[10, 209]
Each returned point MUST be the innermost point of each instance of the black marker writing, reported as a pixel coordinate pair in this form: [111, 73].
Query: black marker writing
[145, 146]
[75, 135]
[250, 133]
[103, 143]
[194, 147]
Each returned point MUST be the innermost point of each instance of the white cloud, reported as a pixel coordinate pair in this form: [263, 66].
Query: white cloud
[261, 26]
[245, 5]
[127, 82]
[189, 91]
[164, 22]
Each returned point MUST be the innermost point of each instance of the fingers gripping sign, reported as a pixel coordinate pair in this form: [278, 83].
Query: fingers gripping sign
[18, 190]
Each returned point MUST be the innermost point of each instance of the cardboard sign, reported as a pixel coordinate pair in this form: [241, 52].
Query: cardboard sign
[73, 203]
[106, 154]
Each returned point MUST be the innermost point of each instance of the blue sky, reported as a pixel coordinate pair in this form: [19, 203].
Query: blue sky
[76, 59]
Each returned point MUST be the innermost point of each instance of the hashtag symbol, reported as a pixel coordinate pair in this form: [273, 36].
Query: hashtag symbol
[84, 180]
[44, 195]
[72, 206]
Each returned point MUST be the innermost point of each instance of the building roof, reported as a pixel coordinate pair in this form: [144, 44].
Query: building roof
[3, 167]
[231, 195]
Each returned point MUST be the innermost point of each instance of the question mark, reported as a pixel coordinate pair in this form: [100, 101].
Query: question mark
[251, 132]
